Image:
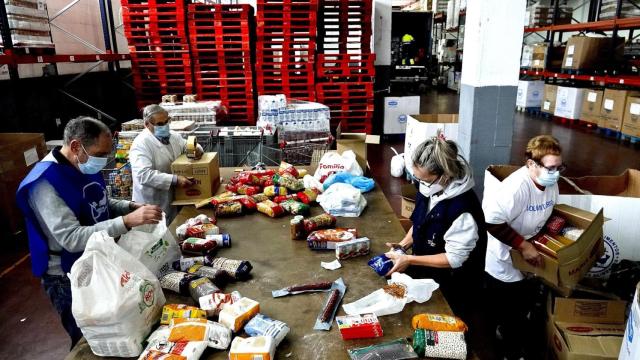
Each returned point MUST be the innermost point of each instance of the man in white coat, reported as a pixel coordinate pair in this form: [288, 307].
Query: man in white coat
[151, 155]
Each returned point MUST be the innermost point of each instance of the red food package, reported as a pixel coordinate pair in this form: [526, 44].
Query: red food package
[555, 224]
[321, 221]
[248, 190]
[259, 180]
[286, 168]
[359, 326]
[235, 179]
[269, 182]
[232, 187]
[270, 208]
[198, 245]
[280, 198]
[244, 177]
[248, 203]
[201, 231]
[308, 196]
[269, 172]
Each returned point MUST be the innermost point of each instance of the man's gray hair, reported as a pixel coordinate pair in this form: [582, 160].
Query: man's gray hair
[150, 110]
[85, 129]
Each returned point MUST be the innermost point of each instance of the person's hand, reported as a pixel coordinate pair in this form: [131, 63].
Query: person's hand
[393, 246]
[530, 254]
[134, 205]
[400, 262]
[145, 214]
[184, 181]
[199, 153]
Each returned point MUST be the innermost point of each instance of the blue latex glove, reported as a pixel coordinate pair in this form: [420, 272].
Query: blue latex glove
[362, 183]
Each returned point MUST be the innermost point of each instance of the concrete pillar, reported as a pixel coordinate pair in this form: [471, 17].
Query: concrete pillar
[490, 70]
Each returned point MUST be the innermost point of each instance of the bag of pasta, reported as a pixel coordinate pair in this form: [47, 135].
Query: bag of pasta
[270, 208]
[288, 181]
[286, 168]
[273, 190]
[438, 322]
[295, 208]
[231, 208]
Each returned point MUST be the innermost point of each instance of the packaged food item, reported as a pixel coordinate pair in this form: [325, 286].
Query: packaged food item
[188, 229]
[303, 288]
[248, 203]
[288, 181]
[237, 314]
[261, 325]
[187, 262]
[202, 287]
[381, 264]
[438, 322]
[563, 240]
[259, 180]
[353, 248]
[297, 228]
[286, 168]
[308, 196]
[399, 349]
[177, 281]
[222, 240]
[236, 269]
[547, 245]
[200, 231]
[248, 189]
[273, 190]
[555, 224]
[302, 173]
[439, 344]
[260, 197]
[158, 345]
[232, 208]
[281, 198]
[218, 277]
[295, 208]
[198, 246]
[270, 208]
[327, 239]
[172, 311]
[232, 187]
[158, 355]
[322, 221]
[258, 347]
[572, 233]
[214, 303]
[325, 317]
[187, 330]
[363, 326]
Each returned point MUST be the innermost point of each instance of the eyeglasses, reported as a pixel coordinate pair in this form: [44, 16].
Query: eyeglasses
[425, 183]
[164, 123]
[553, 169]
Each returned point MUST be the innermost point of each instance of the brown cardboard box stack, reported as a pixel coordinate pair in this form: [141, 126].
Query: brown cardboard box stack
[631, 122]
[591, 53]
[613, 108]
[549, 99]
[591, 105]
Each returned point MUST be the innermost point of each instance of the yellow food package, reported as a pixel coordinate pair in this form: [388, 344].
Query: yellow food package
[258, 347]
[563, 240]
[302, 173]
[234, 316]
[438, 322]
[158, 355]
[189, 331]
[273, 190]
[171, 311]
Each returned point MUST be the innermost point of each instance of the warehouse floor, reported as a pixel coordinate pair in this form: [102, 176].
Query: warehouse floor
[31, 327]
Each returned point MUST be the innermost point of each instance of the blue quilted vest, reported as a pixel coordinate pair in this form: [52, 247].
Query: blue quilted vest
[85, 195]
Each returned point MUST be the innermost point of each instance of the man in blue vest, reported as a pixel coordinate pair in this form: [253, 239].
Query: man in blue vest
[64, 200]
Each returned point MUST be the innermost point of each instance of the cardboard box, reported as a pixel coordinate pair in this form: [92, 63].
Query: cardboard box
[573, 261]
[613, 108]
[18, 153]
[631, 121]
[358, 143]
[409, 193]
[421, 127]
[579, 329]
[591, 53]
[530, 93]
[538, 57]
[568, 102]
[206, 172]
[527, 56]
[591, 105]
[630, 349]
[549, 98]
[396, 112]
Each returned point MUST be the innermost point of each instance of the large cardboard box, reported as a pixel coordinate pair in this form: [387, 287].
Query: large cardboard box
[613, 108]
[591, 53]
[573, 261]
[579, 329]
[396, 112]
[529, 93]
[409, 193]
[206, 173]
[630, 349]
[591, 105]
[18, 153]
[568, 102]
[357, 142]
[631, 122]
[421, 127]
[538, 56]
[549, 98]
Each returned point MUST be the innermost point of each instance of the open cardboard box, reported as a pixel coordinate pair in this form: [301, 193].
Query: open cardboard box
[409, 193]
[420, 127]
[358, 143]
[205, 171]
[579, 329]
[573, 261]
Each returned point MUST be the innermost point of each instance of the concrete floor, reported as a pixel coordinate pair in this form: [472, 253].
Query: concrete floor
[31, 329]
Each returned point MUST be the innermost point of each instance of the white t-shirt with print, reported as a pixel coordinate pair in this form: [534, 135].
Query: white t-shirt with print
[524, 207]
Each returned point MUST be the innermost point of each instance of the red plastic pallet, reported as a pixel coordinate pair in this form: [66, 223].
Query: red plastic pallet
[346, 65]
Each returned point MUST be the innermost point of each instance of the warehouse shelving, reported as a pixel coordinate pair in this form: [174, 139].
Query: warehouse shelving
[629, 80]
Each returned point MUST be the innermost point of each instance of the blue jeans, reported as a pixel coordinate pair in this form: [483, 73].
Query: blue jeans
[58, 288]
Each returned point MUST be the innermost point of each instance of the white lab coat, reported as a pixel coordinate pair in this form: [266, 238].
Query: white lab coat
[151, 169]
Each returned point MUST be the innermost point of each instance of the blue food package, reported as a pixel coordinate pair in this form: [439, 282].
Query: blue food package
[261, 325]
[381, 264]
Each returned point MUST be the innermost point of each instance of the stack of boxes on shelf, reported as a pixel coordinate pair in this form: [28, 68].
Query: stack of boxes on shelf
[285, 48]
[542, 13]
[28, 23]
[222, 56]
[156, 33]
[345, 65]
[608, 9]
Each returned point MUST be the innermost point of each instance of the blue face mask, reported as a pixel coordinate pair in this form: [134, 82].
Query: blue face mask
[161, 131]
[548, 179]
[93, 165]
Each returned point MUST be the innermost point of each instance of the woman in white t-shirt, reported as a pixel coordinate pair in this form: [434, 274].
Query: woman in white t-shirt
[515, 213]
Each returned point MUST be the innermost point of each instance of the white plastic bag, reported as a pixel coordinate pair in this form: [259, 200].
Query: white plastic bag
[152, 244]
[116, 299]
[311, 182]
[381, 303]
[342, 199]
[332, 162]
[397, 164]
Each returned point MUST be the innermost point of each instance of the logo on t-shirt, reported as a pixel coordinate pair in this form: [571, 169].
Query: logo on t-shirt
[540, 207]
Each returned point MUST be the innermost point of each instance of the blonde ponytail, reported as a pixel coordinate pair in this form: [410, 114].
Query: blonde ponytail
[440, 156]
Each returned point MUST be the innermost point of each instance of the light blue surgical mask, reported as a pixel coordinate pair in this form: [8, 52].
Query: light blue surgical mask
[547, 178]
[161, 131]
[93, 165]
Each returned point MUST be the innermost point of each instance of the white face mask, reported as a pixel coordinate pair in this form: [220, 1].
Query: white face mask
[429, 190]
